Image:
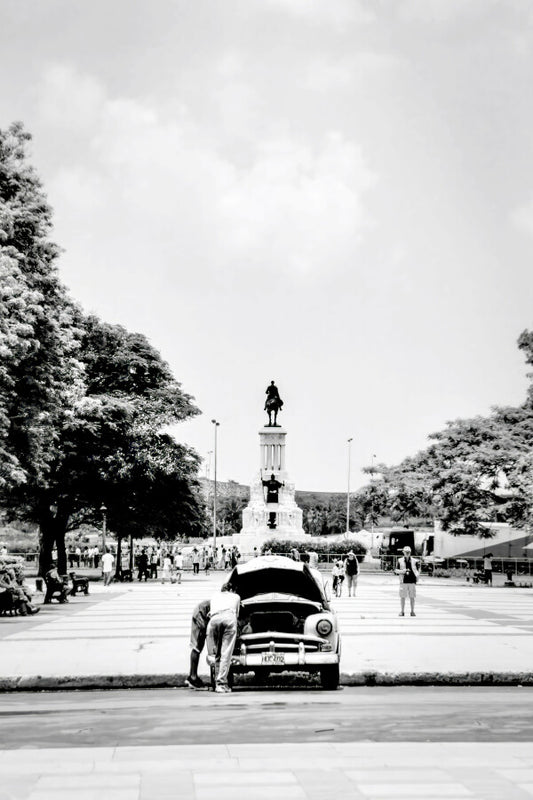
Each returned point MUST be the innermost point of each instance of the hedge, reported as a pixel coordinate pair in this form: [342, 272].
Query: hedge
[284, 547]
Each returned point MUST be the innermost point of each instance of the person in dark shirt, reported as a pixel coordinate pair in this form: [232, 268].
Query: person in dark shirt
[407, 569]
[143, 566]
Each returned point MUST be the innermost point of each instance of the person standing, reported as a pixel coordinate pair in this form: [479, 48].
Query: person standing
[351, 571]
[165, 568]
[487, 569]
[407, 569]
[337, 574]
[143, 565]
[195, 561]
[107, 566]
[222, 633]
[178, 565]
[199, 622]
[154, 561]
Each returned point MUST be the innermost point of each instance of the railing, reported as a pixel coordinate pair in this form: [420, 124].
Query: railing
[451, 567]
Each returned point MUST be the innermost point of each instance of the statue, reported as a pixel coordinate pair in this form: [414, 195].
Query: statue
[273, 404]
[273, 487]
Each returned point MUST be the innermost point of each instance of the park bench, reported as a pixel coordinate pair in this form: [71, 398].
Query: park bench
[79, 584]
[55, 588]
[11, 604]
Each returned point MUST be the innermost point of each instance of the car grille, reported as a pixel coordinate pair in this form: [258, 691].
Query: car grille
[282, 642]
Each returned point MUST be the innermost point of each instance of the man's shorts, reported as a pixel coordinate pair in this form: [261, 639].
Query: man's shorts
[198, 631]
[407, 589]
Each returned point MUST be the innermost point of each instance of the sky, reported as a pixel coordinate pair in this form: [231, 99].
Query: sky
[333, 194]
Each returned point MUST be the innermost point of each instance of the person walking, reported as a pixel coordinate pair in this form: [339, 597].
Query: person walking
[222, 633]
[107, 566]
[178, 565]
[407, 569]
[337, 574]
[351, 570]
[487, 569]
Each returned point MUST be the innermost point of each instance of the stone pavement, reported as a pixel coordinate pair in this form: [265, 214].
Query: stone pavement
[362, 770]
[137, 635]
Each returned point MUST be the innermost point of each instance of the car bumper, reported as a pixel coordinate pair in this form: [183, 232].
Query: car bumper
[296, 662]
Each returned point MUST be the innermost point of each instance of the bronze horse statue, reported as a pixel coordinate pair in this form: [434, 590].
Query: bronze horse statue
[272, 406]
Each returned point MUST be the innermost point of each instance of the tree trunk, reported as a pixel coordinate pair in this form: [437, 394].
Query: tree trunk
[118, 560]
[61, 549]
[131, 554]
[46, 545]
[52, 531]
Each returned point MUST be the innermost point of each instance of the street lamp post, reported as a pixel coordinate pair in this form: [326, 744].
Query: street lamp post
[103, 509]
[372, 504]
[348, 492]
[216, 424]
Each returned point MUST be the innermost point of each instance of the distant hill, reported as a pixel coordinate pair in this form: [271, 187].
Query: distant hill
[234, 489]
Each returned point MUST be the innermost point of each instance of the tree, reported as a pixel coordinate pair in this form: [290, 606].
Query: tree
[475, 470]
[39, 372]
[114, 448]
[83, 405]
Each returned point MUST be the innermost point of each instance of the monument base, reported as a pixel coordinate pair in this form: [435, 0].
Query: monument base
[247, 541]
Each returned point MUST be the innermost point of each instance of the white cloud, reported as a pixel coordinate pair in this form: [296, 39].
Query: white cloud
[522, 218]
[69, 98]
[293, 207]
[330, 12]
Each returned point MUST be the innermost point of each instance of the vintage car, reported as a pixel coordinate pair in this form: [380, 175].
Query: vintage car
[285, 621]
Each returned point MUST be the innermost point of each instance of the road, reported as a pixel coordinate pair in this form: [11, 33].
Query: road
[180, 716]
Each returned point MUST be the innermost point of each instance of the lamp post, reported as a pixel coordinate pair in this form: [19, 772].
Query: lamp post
[372, 504]
[216, 424]
[348, 492]
[103, 509]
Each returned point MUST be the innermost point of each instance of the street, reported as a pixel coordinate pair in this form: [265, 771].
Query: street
[182, 717]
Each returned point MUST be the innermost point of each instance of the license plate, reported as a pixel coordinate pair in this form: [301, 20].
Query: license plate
[273, 658]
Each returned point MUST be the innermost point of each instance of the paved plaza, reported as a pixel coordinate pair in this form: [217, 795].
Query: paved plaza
[137, 635]
[350, 771]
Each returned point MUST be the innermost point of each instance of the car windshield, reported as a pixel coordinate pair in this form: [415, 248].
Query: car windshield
[276, 574]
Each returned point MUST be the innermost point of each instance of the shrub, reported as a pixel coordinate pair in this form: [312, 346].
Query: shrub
[284, 547]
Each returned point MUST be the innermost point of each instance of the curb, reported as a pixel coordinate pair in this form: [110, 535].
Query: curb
[177, 680]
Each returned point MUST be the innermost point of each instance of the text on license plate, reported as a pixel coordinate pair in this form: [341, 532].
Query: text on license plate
[273, 658]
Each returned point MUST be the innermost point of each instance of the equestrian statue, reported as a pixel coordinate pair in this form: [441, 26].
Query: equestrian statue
[273, 404]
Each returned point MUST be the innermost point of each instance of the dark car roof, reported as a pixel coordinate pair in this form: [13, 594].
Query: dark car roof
[275, 574]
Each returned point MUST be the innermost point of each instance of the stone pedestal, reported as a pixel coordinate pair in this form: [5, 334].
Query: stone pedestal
[281, 519]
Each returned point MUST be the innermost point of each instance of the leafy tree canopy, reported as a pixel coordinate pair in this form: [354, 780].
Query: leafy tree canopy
[84, 405]
[474, 471]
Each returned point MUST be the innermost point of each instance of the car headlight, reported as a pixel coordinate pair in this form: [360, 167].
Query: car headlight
[324, 627]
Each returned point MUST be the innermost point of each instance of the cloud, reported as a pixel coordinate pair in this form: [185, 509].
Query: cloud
[69, 98]
[169, 192]
[522, 217]
[333, 12]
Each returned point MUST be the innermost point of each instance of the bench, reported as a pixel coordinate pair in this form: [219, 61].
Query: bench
[11, 604]
[55, 588]
[78, 584]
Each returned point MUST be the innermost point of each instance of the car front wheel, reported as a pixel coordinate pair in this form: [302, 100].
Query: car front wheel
[330, 676]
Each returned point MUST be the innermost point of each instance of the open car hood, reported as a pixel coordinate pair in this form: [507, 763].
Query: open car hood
[278, 574]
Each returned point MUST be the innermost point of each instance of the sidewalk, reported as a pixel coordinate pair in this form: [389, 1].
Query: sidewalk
[131, 635]
[313, 771]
